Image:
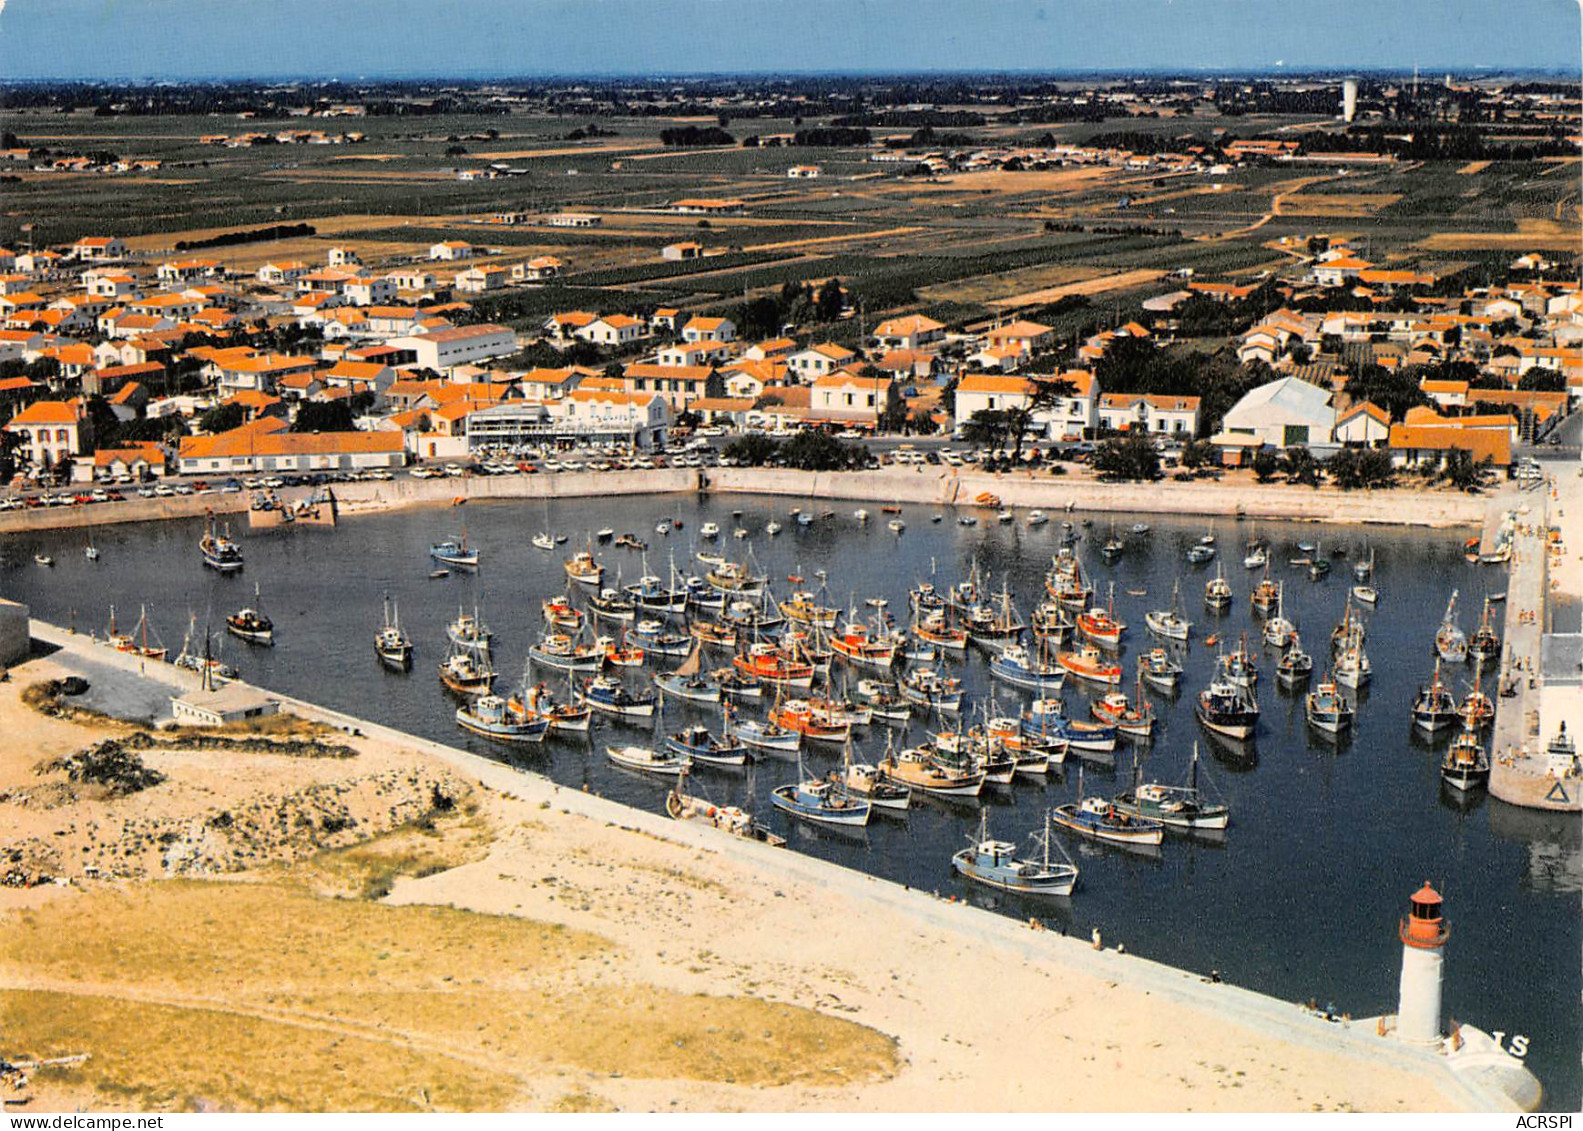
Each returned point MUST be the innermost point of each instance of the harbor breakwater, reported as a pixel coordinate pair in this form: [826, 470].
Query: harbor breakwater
[1476, 1078]
[928, 486]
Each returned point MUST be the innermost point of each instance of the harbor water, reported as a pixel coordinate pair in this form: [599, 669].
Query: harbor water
[1299, 898]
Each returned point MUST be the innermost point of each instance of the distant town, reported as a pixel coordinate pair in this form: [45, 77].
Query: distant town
[1045, 271]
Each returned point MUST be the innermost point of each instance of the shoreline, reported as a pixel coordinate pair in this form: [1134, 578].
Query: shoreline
[921, 486]
[905, 912]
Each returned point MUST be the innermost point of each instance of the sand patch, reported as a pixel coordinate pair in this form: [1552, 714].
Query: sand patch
[1103, 284]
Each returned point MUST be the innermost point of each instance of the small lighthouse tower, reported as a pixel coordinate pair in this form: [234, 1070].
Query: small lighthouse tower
[1423, 935]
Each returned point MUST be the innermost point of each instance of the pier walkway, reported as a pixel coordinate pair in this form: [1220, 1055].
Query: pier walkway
[1520, 770]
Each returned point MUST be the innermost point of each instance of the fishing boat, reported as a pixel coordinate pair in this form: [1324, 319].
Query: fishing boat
[1278, 630]
[992, 622]
[1113, 547]
[583, 569]
[768, 662]
[652, 594]
[1466, 766]
[663, 526]
[468, 630]
[391, 643]
[1099, 819]
[455, 552]
[767, 736]
[1065, 583]
[1047, 719]
[857, 645]
[1266, 595]
[488, 715]
[824, 802]
[215, 672]
[91, 552]
[702, 597]
[1476, 708]
[1159, 670]
[1319, 566]
[561, 613]
[1135, 718]
[975, 750]
[1199, 554]
[1351, 628]
[935, 629]
[813, 721]
[1366, 594]
[1434, 706]
[1257, 557]
[136, 642]
[773, 528]
[219, 551]
[544, 540]
[535, 701]
[1485, 643]
[896, 525]
[877, 787]
[1100, 624]
[753, 616]
[804, 608]
[647, 760]
[930, 689]
[709, 530]
[1363, 568]
[630, 541]
[1174, 806]
[698, 744]
[1086, 662]
[1051, 623]
[1034, 748]
[43, 560]
[1295, 665]
[610, 696]
[1169, 623]
[1327, 709]
[1352, 667]
[656, 640]
[735, 578]
[605, 534]
[436, 574]
[713, 635]
[730, 819]
[1239, 666]
[884, 700]
[1019, 667]
[609, 604]
[1228, 709]
[1451, 643]
[734, 684]
[917, 768]
[467, 671]
[619, 653]
[558, 650]
[995, 864]
[1217, 591]
[251, 623]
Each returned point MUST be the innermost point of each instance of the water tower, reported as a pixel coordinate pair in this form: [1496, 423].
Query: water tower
[1423, 934]
[1349, 99]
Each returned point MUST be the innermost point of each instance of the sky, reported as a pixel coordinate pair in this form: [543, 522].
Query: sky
[209, 39]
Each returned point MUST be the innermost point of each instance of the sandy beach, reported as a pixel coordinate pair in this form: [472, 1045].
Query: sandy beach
[517, 946]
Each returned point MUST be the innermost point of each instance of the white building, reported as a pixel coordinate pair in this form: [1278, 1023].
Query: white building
[820, 360]
[588, 416]
[1284, 413]
[611, 330]
[1067, 418]
[451, 250]
[458, 345]
[1144, 412]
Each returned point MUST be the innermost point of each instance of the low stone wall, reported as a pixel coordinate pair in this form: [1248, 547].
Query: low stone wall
[14, 642]
[940, 487]
[364, 497]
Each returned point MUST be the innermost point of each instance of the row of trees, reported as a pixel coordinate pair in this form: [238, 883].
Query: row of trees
[806, 451]
[1133, 457]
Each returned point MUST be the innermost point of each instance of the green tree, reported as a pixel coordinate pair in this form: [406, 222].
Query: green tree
[222, 418]
[10, 445]
[1300, 466]
[1197, 454]
[1462, 472]
[987, 428]
[323, 416]
[1129, 456]
[752, 451]
[1266, 464]
[830, 302]
[1360, 468]
[820, 451]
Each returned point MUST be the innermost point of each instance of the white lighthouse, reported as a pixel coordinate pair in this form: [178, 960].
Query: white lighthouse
[1349, 99]
[1423, 935]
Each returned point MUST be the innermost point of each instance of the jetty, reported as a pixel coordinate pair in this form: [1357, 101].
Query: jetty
[1539, 675]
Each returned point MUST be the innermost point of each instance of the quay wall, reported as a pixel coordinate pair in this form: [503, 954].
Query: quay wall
[1259, 1012]
[944, 487]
